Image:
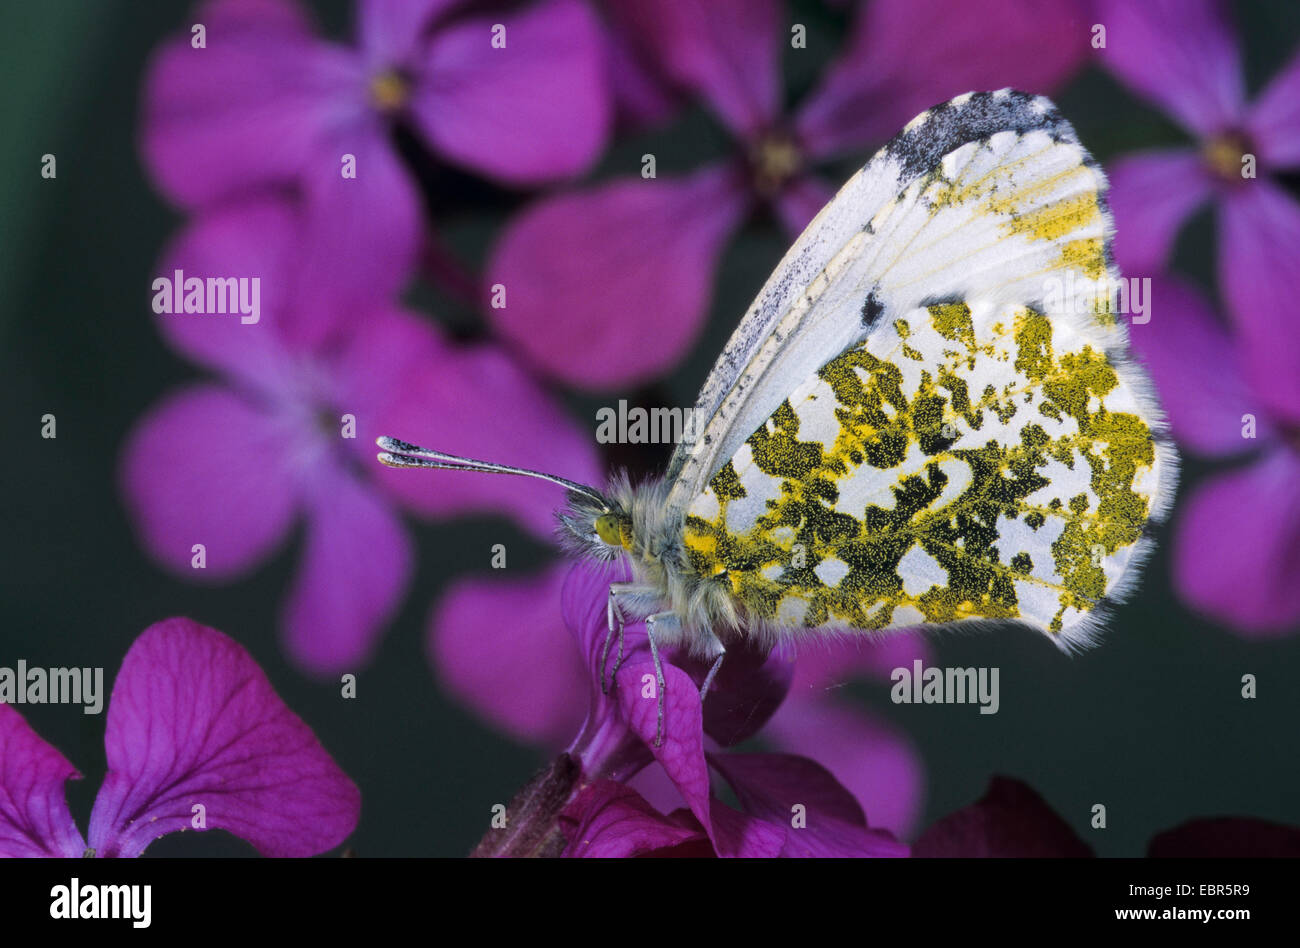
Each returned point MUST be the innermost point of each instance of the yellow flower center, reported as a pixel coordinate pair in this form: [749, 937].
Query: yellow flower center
[388, 91]
[774, 160]
[1223, 155]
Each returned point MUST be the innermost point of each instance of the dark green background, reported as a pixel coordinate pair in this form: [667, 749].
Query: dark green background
[1151, 724]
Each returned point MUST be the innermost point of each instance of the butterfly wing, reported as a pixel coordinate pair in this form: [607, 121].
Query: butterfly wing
[980, 445]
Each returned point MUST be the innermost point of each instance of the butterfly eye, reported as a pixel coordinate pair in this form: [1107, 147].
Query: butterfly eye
[608, 529]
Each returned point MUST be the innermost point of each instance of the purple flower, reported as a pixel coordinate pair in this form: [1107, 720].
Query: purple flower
[1238, 538]
[506, 650]
[267, 102]
[289, 430]
[1183, 57]
[1013, 821]
[621, 273]
[196, 738]
[790, 805]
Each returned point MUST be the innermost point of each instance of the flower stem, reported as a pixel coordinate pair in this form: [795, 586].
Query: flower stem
[532, 819]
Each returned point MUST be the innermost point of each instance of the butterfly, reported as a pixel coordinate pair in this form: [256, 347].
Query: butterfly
[929, 416]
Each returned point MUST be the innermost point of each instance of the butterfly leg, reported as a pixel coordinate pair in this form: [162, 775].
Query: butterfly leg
[719, 652]
[616, 620]
[670, 619]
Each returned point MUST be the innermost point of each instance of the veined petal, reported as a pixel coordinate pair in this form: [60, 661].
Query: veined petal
[34, 817]
[610, 820]
[778, 788]
[195, 729]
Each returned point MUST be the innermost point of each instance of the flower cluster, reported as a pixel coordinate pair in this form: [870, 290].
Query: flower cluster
[1236, 542]
[283, 149]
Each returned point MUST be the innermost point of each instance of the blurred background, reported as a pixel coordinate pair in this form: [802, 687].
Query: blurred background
[1152, 723]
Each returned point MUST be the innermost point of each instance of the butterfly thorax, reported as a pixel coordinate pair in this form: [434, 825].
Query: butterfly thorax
[636, 524]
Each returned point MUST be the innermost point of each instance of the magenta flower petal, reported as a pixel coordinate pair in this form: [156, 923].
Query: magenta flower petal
[193, 721]
[1010, 820]
[738, 835]
[879, 765]
[246, 110]
[642, 98]
[682, 750]
[498, 645]
[583, 269]
[682, 756]
[1227, 838]
[583, 601]
[534, 111]
[1180, 54]
[1274, 120]
[727, 51]
[1259, 270]
[207, 467]
[747, 690]
[390, 31]
[34, 817]
[359, 236]
[801, 201]
[610, 820]
[904, 56]
[1151, 195]
[477, 402]
[1237, 545]
[1205, 409]
[771, 786]
[251, 238]
[353, 573]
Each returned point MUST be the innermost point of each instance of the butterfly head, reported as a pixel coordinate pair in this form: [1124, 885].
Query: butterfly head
[614, 530]
[595, 526]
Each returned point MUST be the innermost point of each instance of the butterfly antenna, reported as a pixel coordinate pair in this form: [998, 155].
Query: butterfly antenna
[402, 454]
